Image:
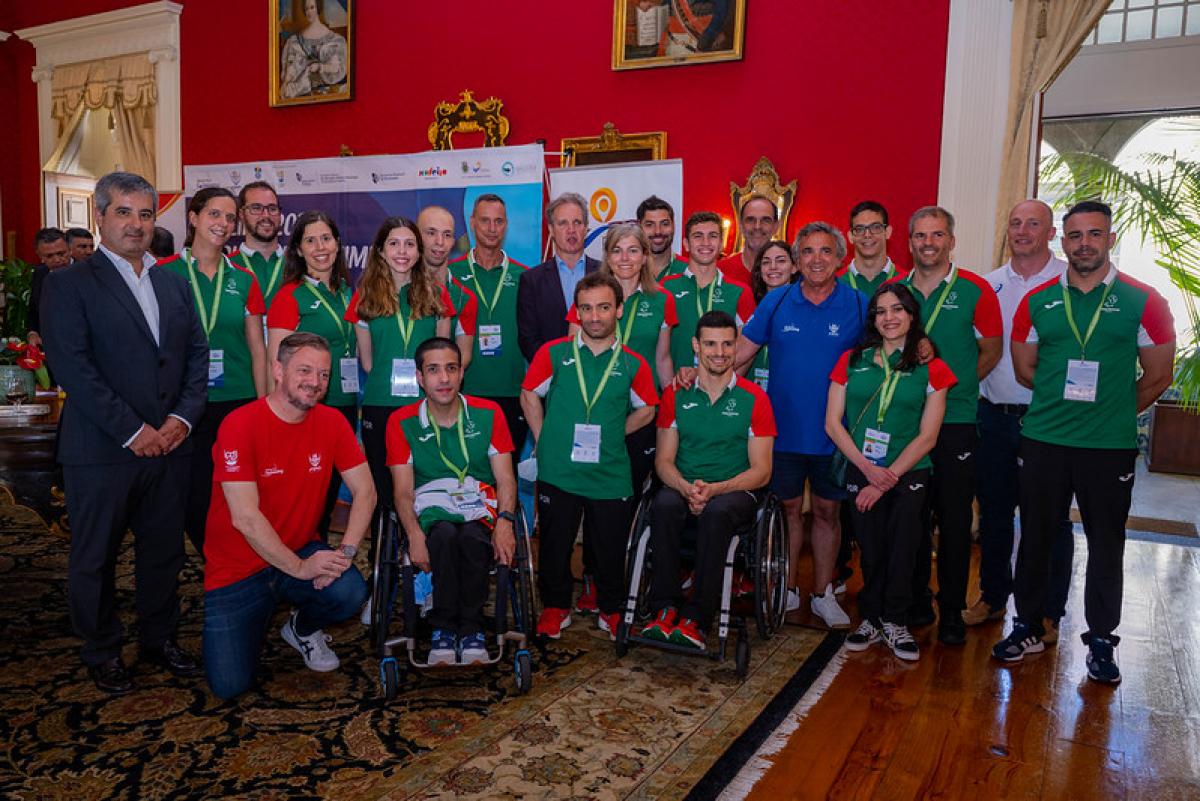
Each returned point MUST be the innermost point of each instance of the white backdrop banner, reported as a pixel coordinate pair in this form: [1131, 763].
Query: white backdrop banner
[613, 192]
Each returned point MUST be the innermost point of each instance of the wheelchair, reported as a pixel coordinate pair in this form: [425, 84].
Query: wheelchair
[394, 574]
[759, 550]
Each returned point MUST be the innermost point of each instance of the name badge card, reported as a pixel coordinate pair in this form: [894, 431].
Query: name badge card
[586, 447]
[216, 368]
[491, 340]
[466, 501]
[875, 444]
[761, 376]
[1082, 379]
[404, 378]
[348, 368]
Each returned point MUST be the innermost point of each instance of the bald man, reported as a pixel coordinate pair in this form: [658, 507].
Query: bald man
[436, 226]
[1002, 403]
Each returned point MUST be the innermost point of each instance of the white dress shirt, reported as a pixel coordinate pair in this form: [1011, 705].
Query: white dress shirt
[1000, 385]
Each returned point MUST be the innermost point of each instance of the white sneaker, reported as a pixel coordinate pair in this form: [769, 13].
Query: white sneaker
[839, 587]
[364, 617]
[314, 648]
[901, 642]
[793, 600]
[827, 608]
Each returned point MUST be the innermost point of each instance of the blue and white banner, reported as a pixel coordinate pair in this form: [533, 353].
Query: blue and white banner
[358, 192]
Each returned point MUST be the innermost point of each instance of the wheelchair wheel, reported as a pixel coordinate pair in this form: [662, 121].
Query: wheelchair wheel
[521, 581]
[389, 677]
[641, 522]
[523, 671]
[383, 579]
[741, 656]
[771, 572]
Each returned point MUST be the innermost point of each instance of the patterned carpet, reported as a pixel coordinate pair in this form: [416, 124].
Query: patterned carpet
[646, 726]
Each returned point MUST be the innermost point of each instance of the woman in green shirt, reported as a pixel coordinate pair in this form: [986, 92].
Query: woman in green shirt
[230, 306]
[398, 305]
[773, 267]
[895, 405]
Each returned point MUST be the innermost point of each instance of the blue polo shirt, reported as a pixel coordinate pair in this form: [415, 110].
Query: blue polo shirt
[805, 341]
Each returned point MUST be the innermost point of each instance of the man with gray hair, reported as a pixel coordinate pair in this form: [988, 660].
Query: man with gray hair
[546, 292]
[808, 326]
[128, 348]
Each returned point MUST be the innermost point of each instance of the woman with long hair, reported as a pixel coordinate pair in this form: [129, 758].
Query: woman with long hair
[313, 298]
[398, 305]
[894, 405]
[773, 267]
[230, 305]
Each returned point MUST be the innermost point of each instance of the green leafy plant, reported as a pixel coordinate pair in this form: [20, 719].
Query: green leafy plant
[17, 279]
[1159, 197]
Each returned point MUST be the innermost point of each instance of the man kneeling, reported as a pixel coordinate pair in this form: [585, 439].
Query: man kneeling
[714, 452]
[454, 450]
[274, 459]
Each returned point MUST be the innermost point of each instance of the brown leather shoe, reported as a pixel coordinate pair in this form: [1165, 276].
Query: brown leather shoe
[1050, 633]
[981, 612]
[111, 677]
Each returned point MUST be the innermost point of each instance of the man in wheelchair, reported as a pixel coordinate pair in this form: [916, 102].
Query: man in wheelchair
[455, 496]
[714, 453]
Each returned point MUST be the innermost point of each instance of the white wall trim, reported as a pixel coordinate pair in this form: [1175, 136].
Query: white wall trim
[1131, 77]
[151, 28]
[974, 113]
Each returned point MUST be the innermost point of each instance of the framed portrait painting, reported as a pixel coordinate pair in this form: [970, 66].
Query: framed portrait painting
[666, 33]
[312, 51]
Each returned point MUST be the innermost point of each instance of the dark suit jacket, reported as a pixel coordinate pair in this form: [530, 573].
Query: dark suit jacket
[33, 321]
[104, 356]
[541, 313]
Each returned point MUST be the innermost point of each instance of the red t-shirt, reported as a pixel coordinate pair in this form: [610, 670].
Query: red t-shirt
[291, 463]
[732, 268]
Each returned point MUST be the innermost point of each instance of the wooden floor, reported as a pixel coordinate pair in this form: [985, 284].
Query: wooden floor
[959, 725]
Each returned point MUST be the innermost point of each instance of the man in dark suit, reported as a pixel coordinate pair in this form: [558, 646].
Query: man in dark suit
[50, 245]
[544, 292]
[127, 346]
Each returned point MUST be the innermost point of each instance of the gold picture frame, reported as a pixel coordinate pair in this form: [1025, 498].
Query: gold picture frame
[669, 33]
[612, 146]
[468, 115]
[311, 51]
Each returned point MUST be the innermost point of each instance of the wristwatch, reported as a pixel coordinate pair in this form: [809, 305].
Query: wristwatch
[509, 516]
[349, 551]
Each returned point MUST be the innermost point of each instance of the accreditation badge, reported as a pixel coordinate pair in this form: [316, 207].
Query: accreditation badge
[1083, 377]
[216, 368]
[348, 370]
[468, 501]
[875, 444]
[762, 377]
[491, 340]
[404, 378]
[586, 445]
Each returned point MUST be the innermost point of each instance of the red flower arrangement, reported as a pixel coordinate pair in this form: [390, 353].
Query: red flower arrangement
[30, 357]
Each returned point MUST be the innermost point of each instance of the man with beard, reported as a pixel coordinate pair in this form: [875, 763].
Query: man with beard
[657, 219]
[274, 459]
[1077, 342]
[260, 252]
[759, 220]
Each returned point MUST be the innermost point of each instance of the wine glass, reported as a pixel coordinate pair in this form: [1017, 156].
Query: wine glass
[15, 390]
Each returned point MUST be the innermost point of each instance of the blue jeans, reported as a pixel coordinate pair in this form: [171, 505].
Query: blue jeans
[236, 618]
[996, 461]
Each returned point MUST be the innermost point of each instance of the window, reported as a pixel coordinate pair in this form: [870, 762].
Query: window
[1140, 20]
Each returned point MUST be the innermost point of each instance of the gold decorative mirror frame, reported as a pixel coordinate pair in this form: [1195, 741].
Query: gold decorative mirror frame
[613, 146]
[763, 180]
[468, 115]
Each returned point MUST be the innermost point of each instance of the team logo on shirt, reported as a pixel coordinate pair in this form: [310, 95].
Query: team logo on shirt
[1052, 304]
[1110, 303]
[791, 329]
[316, 305]
[425, 437]
[568, 361]
[834, 328]
[690, 405]
[231, 460]
[730, 409]
[314, 462]
[231, 286]
[273, 470]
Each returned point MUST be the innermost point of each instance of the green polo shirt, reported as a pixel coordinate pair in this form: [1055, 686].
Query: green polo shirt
[691, 303]
[1133, 316]
[677, 267]
[553, 375]
[239, 297]
[496, 373]
[851, 278]
[269, 272]
[642, 319]
[969, 312]
[902, 417]
[713, 436]
[388, 343]
[298, 307]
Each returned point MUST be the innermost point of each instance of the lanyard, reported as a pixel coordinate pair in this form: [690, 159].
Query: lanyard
[588, 403]
[888, 388]
[937, 309]
[210, 322]
[630, 314]
[1083, 340]
[888, 272]
[491, 307]
[342, 326]
[405, 333]
[460, 472]
[708, 306]
[275, 264]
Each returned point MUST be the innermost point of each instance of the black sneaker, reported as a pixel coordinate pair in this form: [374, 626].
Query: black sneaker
[952, 632]
[1016, 645]
[1100, 664]
[864, 636]
[901, 642]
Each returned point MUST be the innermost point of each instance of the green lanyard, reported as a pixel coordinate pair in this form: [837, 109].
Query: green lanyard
[888, 388]
[210, 322]
[888, 272]
[342, 326]
[1083, 340]
[708, 307]
[491, 307]
[937, 309]
[461, 473]
[588, 403]
[405, 333]
[275, 264]
[630, 313]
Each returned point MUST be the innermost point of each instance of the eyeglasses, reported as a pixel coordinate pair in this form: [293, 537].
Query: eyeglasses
[874, 228]
[258, 208]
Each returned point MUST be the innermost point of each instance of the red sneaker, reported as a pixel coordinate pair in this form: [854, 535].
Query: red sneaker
[686, 632]
[552, 622]
[660, 628]
[609, 623]
[586, 605]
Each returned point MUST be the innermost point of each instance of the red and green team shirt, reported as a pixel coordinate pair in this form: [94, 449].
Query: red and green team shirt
[240, 297]
[734, 269]
[970, 312]
[290, 463]
[410, 440]
[552, 375]
[269, 272]
[1134, 316]
[713, 436]
[862, 380]
[466, 308]
[676, 267]
[691, 303]
[850, 276]
[387, 343]
[298, 307]
[645, 315]
[498, 372]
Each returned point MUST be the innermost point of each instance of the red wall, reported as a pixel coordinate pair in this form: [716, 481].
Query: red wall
[846, 97]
